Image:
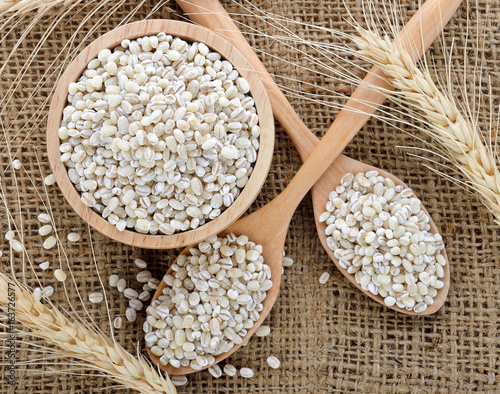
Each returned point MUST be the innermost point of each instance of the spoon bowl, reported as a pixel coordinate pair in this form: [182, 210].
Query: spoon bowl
[344, 165]
[191, 33]
[272, 240]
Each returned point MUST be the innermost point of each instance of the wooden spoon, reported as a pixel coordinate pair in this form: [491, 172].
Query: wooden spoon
[419, 33]
[268, 225]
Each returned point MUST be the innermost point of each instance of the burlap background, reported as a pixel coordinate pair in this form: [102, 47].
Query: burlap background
[329, 338]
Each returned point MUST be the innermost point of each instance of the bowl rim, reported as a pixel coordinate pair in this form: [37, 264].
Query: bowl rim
[192, 33]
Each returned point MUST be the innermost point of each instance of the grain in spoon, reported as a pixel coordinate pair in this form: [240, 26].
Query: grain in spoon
[416, 37]
[268, 225]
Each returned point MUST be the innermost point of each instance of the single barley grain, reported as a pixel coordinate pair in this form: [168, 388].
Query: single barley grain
[9, 235]
[117, 322]
[50, 180]
[113, 280]
[73, 237]
[263, 331]
[131, 314]
[47, 291]
[60, 275]
[121, 285]
[273, 362]
[45, 230]
[140, 263]
[325, 276]
[215, 371]
[246, 373]
[16, 164]
[96, 297]
[49, 242]
[179, 380]
[230, 370]
[44, 218]
[16, 245]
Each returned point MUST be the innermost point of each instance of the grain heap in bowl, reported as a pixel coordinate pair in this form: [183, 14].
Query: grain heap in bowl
[159, 135]
[213, 297]
[380, 234]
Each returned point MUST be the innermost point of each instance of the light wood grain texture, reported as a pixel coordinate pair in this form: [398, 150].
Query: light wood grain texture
[191, 33]
[268, 225]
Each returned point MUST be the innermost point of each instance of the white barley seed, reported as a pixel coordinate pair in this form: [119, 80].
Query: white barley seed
[287, 261]
[96, 297]
[325, 276]
[47, 291]
[121, 285]
[130, 293]
[44, 218]
[144, 296]
[16, 164]
[179, 380]
[16, 245]
[246, 373]
[45, 265]
[73, 237]
[50, 180]
[117, 322]
[60, 275]
[45, 230]
[230, 370]
[263, 331]
[140, 263]
[215, 371]
[143, 276]
[135, 304]
[273, 362]
[49, 242]
[9, 235]
[113, 280]
[131, 314]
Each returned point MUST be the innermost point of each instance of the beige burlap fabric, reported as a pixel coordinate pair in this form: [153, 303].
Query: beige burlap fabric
[329, 338]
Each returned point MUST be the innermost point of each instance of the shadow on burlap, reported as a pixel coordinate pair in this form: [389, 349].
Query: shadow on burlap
[329, 338]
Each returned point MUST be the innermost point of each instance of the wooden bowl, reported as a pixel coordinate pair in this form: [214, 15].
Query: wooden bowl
[191, 33]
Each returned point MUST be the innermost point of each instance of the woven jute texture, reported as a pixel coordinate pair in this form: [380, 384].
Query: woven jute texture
[329, 338]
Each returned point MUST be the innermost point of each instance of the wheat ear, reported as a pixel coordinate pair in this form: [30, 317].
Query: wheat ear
[82, 342]
[461, 140]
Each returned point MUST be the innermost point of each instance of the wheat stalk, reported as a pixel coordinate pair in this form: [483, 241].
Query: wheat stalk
[82, 342]
[24, 6]
[460, 138]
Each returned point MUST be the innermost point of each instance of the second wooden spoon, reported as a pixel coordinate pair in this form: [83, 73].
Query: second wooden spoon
[418, 34]
[268, 225]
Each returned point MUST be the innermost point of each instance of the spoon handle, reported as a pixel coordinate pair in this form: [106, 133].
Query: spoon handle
[211, 14]
[418, 34]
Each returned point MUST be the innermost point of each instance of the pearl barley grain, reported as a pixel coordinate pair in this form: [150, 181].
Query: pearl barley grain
[117, 322]
[50, 180]
[230, 370]
[96, 297]
[246, 373]
[73, 237]
[156, 140]
[263, 331]
[49, 242]
[380, 234]
[215, 371]
[179, 380]
[325, 276]
[273, 362]
[60, 275]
